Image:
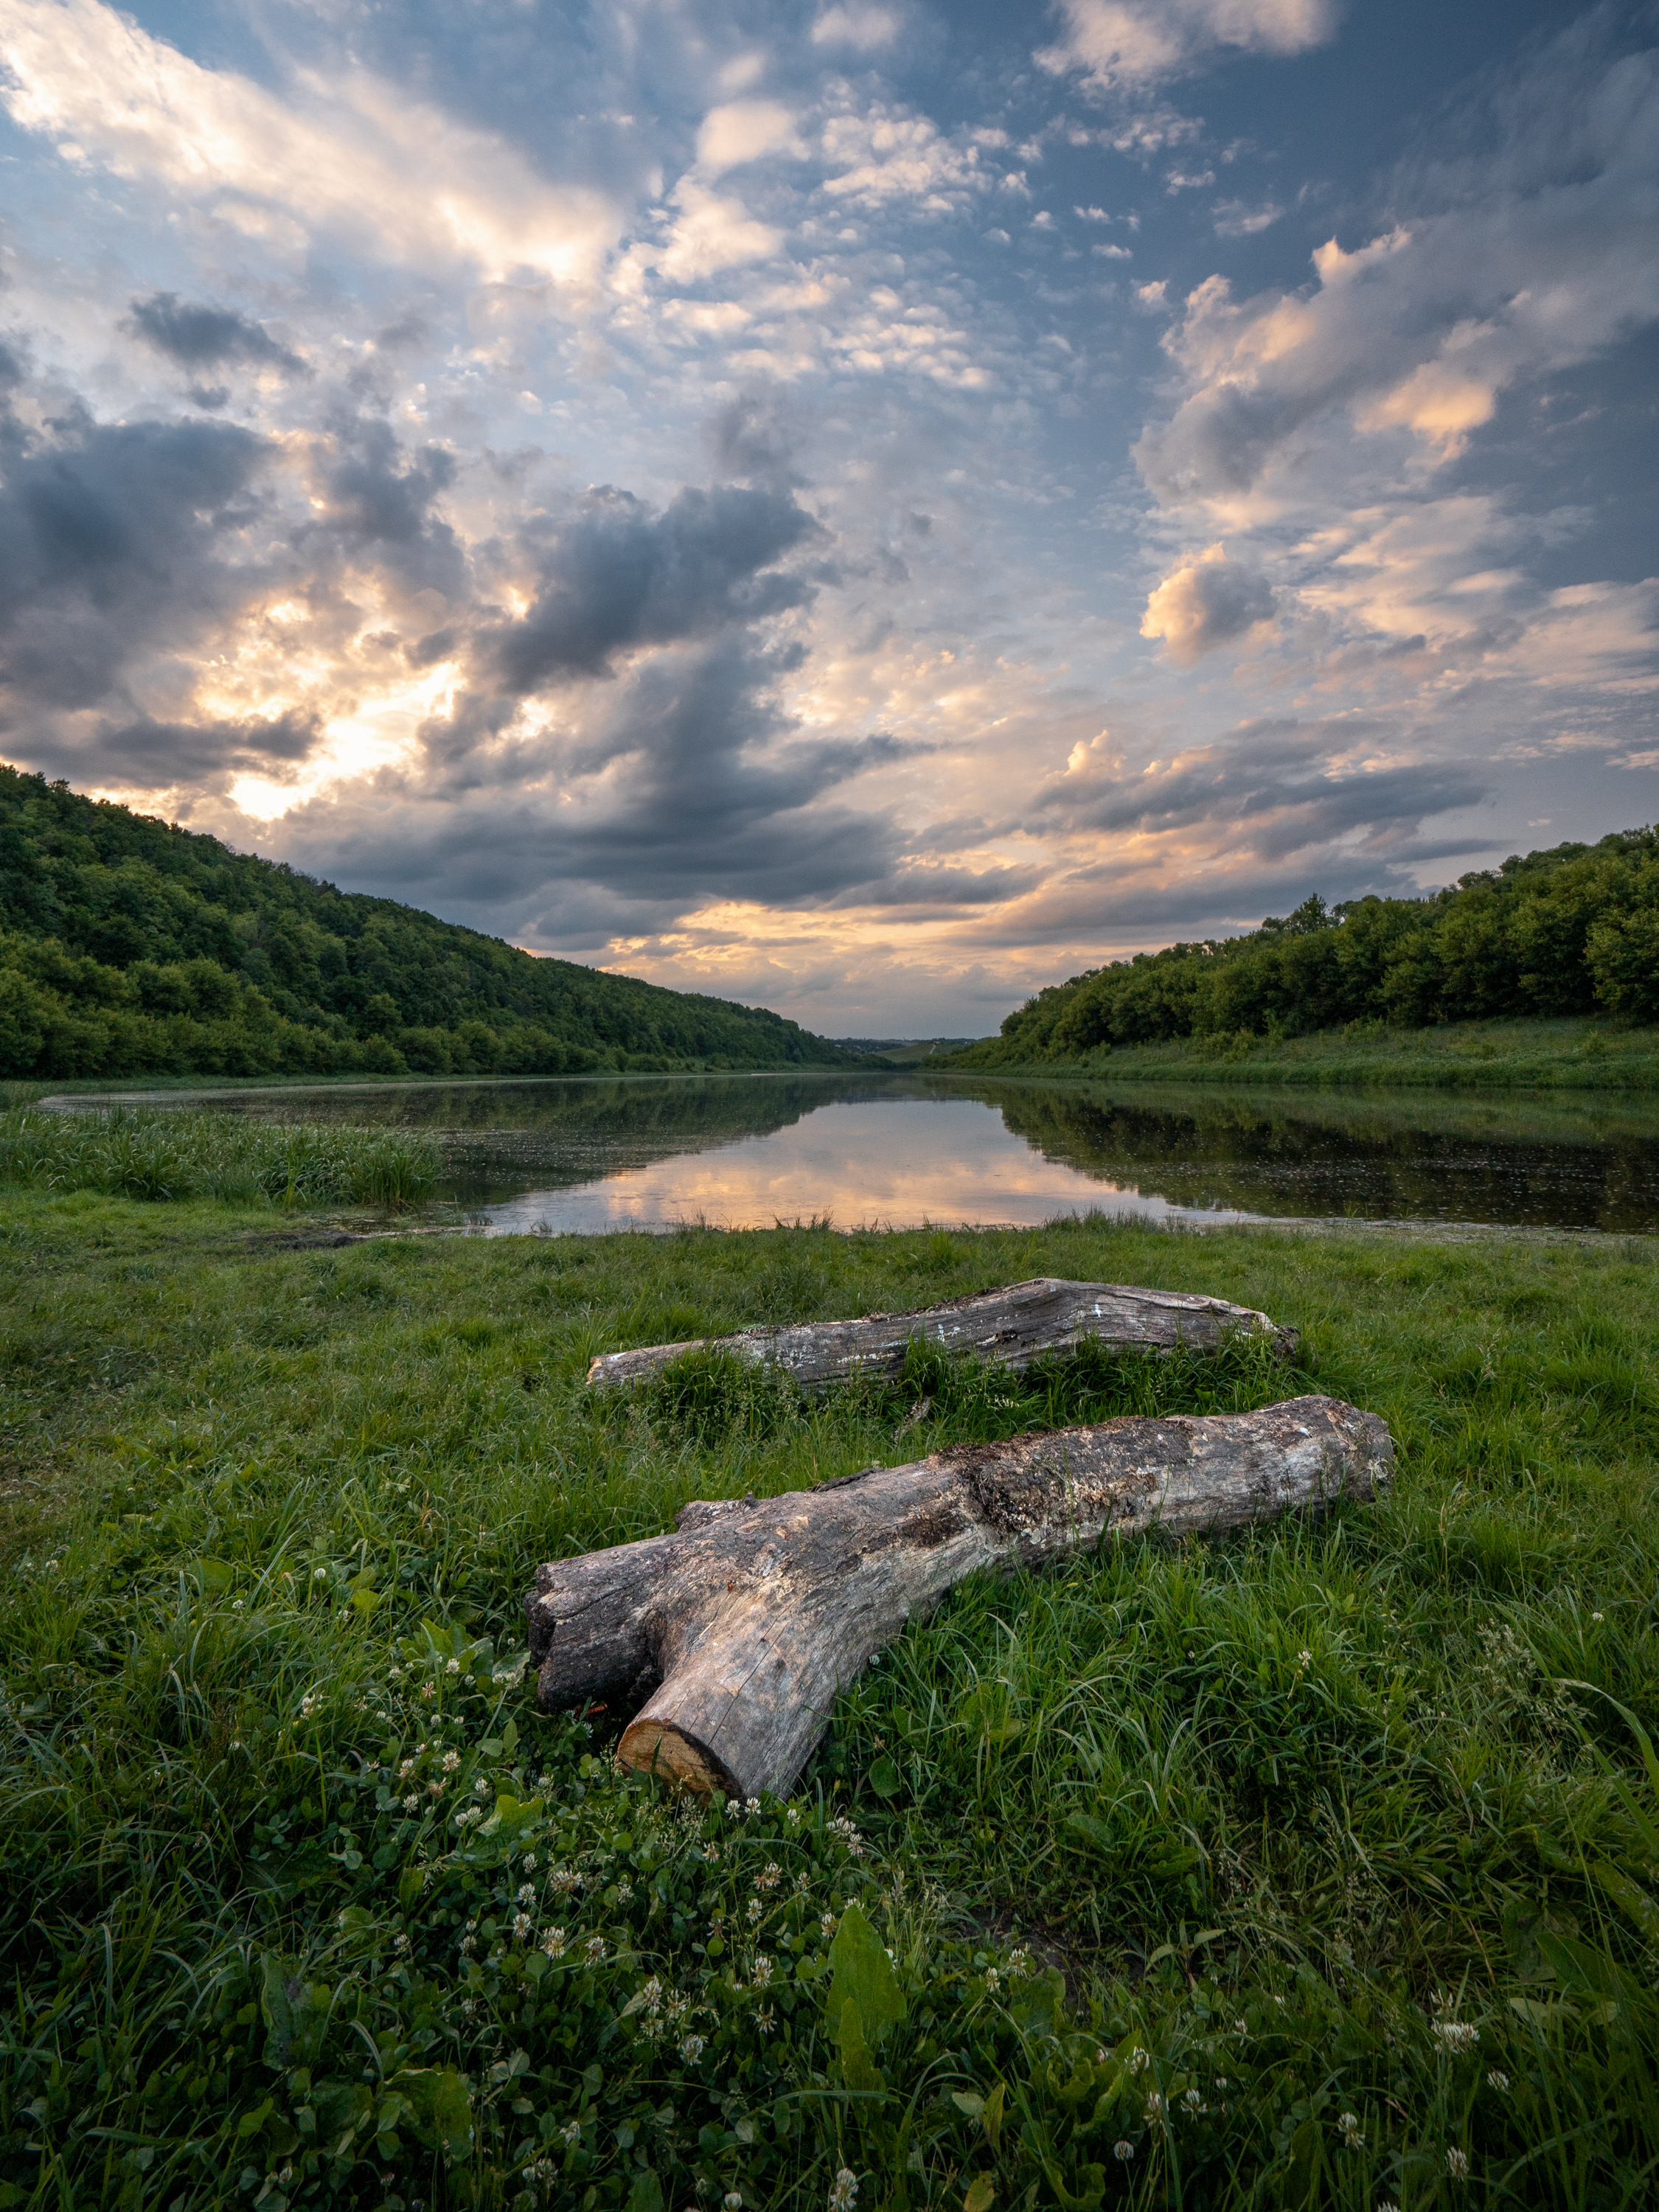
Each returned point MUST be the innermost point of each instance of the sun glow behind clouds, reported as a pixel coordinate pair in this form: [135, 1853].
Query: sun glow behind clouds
[378, 731]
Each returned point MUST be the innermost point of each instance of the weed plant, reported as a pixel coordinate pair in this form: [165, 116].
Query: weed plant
[145, 1153]
[1312, 1867]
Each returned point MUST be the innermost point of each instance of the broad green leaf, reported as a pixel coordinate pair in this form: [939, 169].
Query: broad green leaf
[863, 1977]
[646, 2195]
[858, 2068]
[991, 2117]
[980, 2189]
[1631, 1895]
[884, 1777]
[437, 2096]
[276, 2011]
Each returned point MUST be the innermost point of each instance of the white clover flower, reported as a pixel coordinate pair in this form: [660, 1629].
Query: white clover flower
[1020, 1959]
[762, 1973]
[624, 1890]
[1193, 2102]
[454, 1666]
[792, 1814]
[711, 1852]
[481, 1787]
[1136, 2060]
[1348, 2127]
[1497, 2080]
[993, 1980]
[1457, 2164]
[1304, 1658]
[754, 1910]
[400, 1943]
[843, 2190]
[595, 1950]
[526, 1893]
[428, 1690]
[317, 1574]
[1123, 2149]
[553, 1942]
[751, 1806]
[522, 1925]
[394, 1674]
[571, 2131]
[469, 2009]
[469, 1945]
[529, 1868]
[1598, 1616]
[827, 1923]
[692, 2048]
[803, 1882]
[236, 1605]
[450, 1761]
[434, 1788]
[405, 1770]
[1155, 2112]
[769, 1875]
[411, 1803]
[733, 2200]
[1454, 2035]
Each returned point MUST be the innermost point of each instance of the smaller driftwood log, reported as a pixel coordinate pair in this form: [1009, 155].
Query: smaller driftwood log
[737, 1631]
[1012, 1327]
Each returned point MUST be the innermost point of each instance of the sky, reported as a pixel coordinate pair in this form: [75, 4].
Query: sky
[866, 508]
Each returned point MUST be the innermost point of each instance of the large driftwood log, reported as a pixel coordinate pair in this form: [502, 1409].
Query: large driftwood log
[739, 1631]
[1012, 1327]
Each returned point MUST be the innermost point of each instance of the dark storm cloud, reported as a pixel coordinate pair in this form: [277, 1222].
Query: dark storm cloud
[616, 575]
[116, 539]
[1268, 790]
[198, 337]
[156, 756]
[379, 504]
[749, 437]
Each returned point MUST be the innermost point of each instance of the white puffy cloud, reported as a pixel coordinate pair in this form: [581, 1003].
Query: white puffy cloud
[1130, 44]
[350, 156]
[862, 25]
[744, 130]
[1206, 603]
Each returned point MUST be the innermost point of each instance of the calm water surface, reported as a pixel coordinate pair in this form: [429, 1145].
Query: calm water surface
[745, 1151]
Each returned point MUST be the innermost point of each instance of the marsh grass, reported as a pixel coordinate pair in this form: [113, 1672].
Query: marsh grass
[1314, 1868]
[127, 1152]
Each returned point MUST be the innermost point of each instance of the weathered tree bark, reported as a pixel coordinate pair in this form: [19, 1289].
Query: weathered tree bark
[1012, 1327]
[739, 1631]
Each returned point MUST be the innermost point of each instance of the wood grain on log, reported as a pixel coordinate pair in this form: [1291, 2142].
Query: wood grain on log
[1012, 1327]
[738, 1630]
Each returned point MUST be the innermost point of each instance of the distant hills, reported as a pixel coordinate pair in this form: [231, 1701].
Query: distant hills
[1572, 929]
[129, 946]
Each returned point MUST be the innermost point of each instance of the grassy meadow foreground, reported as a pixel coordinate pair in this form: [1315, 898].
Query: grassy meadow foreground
[1315, 1869]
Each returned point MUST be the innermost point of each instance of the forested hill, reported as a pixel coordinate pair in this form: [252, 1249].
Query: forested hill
[128, 947]
[1572, 931]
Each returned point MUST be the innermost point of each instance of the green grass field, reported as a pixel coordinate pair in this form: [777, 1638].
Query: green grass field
[1317, 1869]
[1576, 1053]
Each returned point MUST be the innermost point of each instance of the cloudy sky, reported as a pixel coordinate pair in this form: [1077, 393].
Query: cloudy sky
[865, 507]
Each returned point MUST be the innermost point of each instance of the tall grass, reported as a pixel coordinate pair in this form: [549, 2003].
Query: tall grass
[146, 1153]
[1311, 1868]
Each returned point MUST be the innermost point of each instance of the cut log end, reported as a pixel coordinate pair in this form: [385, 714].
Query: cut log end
[653, 1746]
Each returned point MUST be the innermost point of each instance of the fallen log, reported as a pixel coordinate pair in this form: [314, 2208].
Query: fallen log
[1012, 1327]
[739, 1631]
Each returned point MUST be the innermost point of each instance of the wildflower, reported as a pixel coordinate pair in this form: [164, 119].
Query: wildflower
[1193, 2102]
[769, 1875]
[454, 1666]
[317, 1574]
[563, 1881]
[394, 1675]
[751, 1806]
[428, 1690]
[691, 2049]
[522, 1925]
[1594, 1616]
[595, 1950]
[1348, 2127]
[1123, 2149]
[793, 1815]
[1304, 1658]
[527, 1892]
[236, 1605]
[308, 1705]
[468, 1946]
[763, 2020]
[405, 1770]
[1155, 2112]
[469, 2009]
[754, 1910]
[434, 1788]
[411, 1803]
[1020, 1959]
[762, 1973]
[733, 2200]
[571, 2131]
[624, 1890]
[1497, 2080]
[450, 1761]
[1457, 2164]
[553, 1942]
[827, 1922]
[529, 1867]
[1454, 2035]
[400, 1944]
[711, 1852]
[1137, 2059]
[992, 1981]
[843, 2190]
